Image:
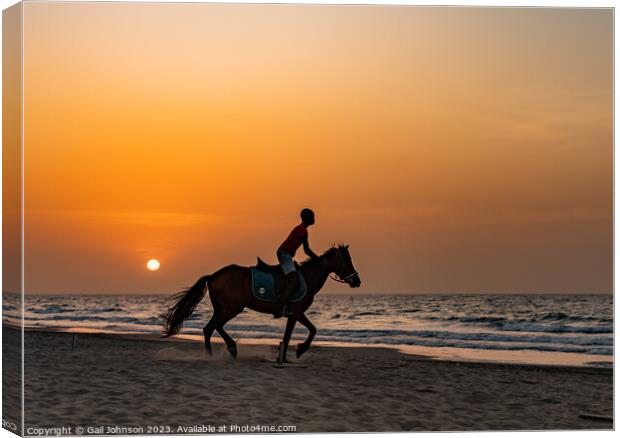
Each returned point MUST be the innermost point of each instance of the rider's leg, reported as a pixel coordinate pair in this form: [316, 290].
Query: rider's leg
[290, 284]
[290, 280]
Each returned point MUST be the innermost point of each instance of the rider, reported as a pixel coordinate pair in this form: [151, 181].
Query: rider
[286, 252]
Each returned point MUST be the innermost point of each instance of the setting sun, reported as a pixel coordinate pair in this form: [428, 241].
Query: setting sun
[152, 265]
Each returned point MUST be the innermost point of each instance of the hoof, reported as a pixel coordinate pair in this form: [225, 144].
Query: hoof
[233, 351]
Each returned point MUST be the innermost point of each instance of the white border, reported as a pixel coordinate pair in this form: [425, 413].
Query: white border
[504, 3]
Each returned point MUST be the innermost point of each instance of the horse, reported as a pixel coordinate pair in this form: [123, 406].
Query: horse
[230, 290]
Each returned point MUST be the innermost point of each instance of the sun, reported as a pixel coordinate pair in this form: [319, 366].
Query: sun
[152, 265]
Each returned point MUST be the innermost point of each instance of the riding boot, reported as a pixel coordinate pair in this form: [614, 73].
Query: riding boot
[290, 283]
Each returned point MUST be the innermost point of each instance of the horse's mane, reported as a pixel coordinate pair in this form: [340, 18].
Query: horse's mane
[335, 247]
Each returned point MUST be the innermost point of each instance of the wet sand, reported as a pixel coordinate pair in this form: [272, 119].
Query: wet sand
[141, 381]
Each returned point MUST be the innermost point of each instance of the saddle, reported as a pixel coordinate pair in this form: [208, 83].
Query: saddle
[272, 269]
[268, 281]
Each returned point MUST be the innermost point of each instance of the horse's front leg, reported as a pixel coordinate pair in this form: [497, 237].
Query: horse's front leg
[290, 325]
[303, 347]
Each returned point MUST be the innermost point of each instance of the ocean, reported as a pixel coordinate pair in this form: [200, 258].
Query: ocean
[555, 329]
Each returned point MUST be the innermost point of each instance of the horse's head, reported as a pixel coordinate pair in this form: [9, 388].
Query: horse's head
[339, 262]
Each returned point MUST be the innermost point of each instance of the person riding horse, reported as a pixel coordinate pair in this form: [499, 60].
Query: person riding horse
[286, 253]
[230, 290]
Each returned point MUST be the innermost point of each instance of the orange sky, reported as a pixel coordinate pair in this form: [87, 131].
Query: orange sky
[455, 150]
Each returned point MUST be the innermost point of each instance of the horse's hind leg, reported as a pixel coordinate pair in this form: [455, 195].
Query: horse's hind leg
[304, 346]
[208, 332]
[223, 318]
[231, 345]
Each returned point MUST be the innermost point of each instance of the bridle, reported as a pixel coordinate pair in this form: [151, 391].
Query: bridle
[346, 279]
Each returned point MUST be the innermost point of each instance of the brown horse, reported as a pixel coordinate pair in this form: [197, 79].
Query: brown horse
[230, 290]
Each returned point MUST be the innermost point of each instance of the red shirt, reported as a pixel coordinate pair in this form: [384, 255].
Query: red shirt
[294, 240]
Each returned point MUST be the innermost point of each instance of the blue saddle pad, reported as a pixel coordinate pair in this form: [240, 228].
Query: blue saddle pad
[263, 287]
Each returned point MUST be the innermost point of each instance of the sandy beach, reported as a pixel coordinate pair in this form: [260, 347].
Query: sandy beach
[144, 381]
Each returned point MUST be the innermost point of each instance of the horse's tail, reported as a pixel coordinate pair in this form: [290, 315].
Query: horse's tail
[185, 303]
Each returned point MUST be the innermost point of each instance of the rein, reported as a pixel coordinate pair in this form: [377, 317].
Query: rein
[345, 279]
[337, 278]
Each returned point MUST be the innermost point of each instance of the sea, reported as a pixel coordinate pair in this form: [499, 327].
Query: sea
[543, 329]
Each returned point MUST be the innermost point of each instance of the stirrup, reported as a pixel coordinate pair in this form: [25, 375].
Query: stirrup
[281, 313]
